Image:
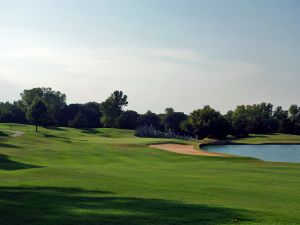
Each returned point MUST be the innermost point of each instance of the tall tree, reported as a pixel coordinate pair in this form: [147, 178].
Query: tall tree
[207, 122]
[67, 113]
[282, 121]
[239, 121]
[112, 107]
[12, 113]
[54, 100]
[91, 111]
[257, 118]
[37, 112]
[294, 115]
[79, 121]
[171, 120]
[149, 118]
[127, 120]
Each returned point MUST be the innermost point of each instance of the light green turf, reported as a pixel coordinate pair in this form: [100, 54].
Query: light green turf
[270, 138]
[108, 176]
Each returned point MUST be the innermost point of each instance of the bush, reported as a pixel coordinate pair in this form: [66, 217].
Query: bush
[149, 131]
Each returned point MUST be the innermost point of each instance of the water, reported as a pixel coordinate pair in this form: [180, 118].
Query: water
[275, 153]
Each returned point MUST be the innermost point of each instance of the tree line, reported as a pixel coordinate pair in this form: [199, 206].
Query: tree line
[46, 107]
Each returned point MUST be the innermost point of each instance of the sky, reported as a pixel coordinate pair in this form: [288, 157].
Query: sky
[168, 53]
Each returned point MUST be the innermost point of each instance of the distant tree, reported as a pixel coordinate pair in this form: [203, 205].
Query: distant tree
[54, 100]
[294, 112]
[187, 128]
[91, 111]
[207, 122]
[149, 118]
[79, 121]
[19, 112]
[111, 108]
[257, 118]
[12, 113]
[294, 115]
[282, 121]
[171, 120]
[67, 113]
[37, 112]
[260, 118]
[127, 120]
[239, 121]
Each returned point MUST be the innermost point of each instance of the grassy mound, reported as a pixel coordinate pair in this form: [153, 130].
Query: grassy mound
[107, 176]
[2, 134]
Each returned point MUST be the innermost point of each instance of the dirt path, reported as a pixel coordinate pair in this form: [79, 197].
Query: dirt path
[186, 149]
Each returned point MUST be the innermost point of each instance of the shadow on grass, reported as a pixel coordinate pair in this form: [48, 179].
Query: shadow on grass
[95, 131]
[8, 164]
[5, 145]
[62, 206]
[250, 137]
[106, 134]
[55, 128]
[2, 134]
[91, 131]
[53, 136]
[63, 139]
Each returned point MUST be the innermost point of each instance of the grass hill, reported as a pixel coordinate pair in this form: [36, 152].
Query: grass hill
[68, 176]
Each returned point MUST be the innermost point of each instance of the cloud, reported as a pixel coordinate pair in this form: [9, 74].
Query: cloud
[182, 78]
[8, 91]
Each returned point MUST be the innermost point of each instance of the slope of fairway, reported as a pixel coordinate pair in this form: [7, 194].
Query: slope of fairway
[269, 139]
[66, 176]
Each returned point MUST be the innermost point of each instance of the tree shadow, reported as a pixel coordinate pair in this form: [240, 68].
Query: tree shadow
[91, 131]
[62, 206]
[101, 133]
[63, 139]
[249, 137]
[5, 145]
[53, 136]
[8, 164]
[2, 134]
[55, 128]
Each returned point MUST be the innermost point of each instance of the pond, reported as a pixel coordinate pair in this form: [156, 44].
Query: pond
[273, 152]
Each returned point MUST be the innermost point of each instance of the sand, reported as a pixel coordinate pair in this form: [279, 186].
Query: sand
[186, 149]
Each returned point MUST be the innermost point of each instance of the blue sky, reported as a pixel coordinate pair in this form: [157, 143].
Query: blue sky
[182, 54]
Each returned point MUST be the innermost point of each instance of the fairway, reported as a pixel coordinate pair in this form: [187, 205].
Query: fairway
[67, 176]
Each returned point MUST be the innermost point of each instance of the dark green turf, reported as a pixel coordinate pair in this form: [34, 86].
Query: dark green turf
[108, 176]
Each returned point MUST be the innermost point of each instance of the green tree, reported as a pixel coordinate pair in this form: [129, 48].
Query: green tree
[127, 120]
[112, 107]
[79, 121]
[54, 100]
[171, 120]
[257, 118]
[149, 119]
[282, 121]
[37, 112]
[294, 115]
[206, 122]
[12, 113]
[239, 121]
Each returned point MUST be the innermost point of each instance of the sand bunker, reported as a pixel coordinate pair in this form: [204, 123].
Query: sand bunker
[186, 149]
[17, 134]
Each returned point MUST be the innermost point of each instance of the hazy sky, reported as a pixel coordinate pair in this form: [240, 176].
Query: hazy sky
[182, 54]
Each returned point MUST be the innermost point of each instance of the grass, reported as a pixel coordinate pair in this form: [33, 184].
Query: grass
[270, 139]
[67, 176]
[5, 133]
